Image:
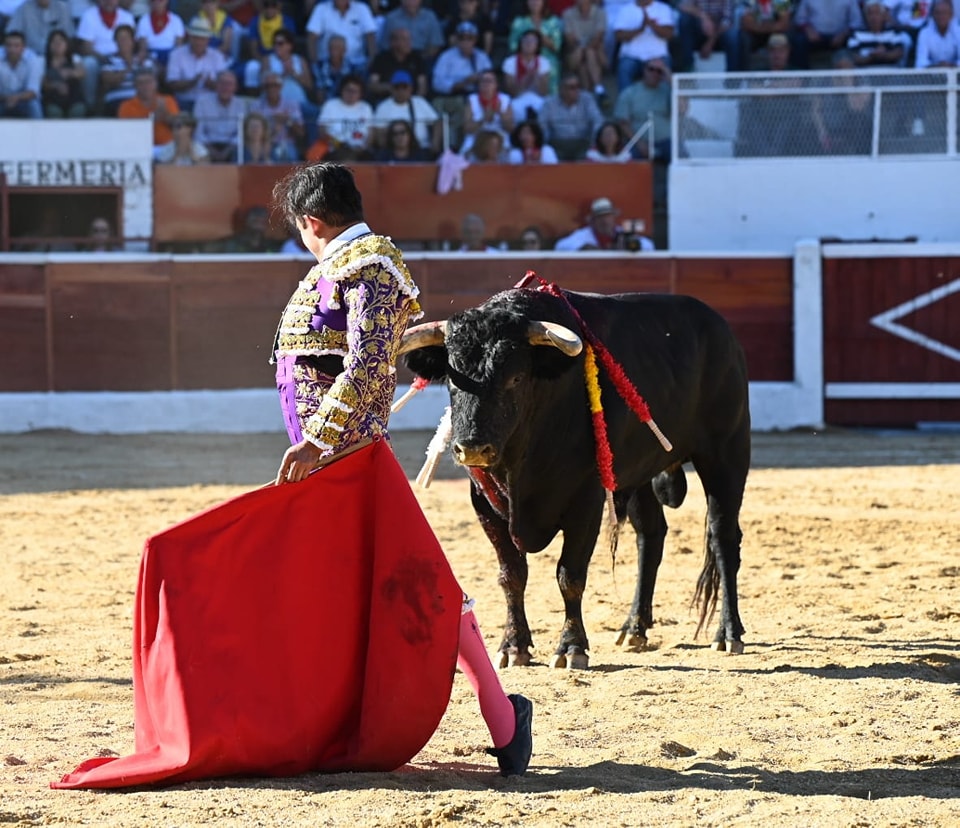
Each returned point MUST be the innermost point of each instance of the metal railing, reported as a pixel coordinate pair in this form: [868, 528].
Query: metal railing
[837, 113]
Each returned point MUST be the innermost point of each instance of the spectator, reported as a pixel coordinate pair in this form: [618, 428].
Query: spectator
[284, 119]
[584, 30]
[603, 233]
[609, 145]
[346, 122]
[570, 119]
[703, 25]
[823, 26]
[470, 11]
[938, 43]
[401, 145]
[646, 99]
[38, 19]
[777, 125]
[779, 54]
[184, 150]
[455, 75]
[219, 117]
[159, 33]
[549, 26]
[225, 32]
[148, 102]
[193, 68]
[878, 43]
[398, 57]
[643, 29]
[333, 68]
[530, 238]
[473, 229]
[21, 74]
[257, 146]
[62, 87]
[458, 68]
[101, 238]
[423, 25]
[353, 20]
[526, 76]
[599, 233]
[528, 145]
[96, 42]
[261, 31]
[488, 108]
[759, 20]
[403, 105]
[909, 16]
[118, 73]
[252, 236]
[294, 73]
[487, 148]
[844, 122]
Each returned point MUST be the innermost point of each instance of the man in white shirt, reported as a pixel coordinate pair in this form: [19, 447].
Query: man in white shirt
[353, 20]
[403, 105]
[938, 43]
[21, 72]
[602, 232]
[643, 29]
[95, 37]
[193, 67]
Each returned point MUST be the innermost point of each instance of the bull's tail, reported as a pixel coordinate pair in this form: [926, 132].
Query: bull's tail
[708, 584]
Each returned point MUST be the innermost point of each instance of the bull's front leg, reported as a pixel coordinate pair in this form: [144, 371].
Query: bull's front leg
[517, 642]
[579, 539]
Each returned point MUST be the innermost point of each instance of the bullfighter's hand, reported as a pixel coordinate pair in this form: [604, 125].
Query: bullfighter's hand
[298, 461]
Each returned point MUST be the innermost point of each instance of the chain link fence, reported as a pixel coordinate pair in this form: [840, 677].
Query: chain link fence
[867, 113]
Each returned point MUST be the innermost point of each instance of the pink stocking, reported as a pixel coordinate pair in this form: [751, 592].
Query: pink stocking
[472, 658]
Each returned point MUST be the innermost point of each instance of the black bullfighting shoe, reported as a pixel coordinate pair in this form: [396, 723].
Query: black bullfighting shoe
[514, 757]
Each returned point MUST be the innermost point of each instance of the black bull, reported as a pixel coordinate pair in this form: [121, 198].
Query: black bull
[522, 425]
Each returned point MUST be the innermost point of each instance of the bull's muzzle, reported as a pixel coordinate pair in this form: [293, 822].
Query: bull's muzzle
[479, 456]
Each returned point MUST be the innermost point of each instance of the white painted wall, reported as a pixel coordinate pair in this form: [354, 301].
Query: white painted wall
[770, 204]
[85, 153]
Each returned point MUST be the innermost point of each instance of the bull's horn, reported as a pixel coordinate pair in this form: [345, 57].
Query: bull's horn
[423, 336]
[550, 333]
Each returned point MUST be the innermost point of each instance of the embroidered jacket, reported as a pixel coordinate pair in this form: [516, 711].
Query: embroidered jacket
[355, 303]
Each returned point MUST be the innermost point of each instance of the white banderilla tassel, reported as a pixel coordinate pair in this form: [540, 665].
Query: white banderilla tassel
[437, 446]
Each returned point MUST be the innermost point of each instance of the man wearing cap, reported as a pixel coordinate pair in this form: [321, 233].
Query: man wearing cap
[601, 231]
[458, 68]
[193, 67]
[759, 20]
[399, 56]
[96, 42]
[403, 105]
[423, 25]
[456, 75]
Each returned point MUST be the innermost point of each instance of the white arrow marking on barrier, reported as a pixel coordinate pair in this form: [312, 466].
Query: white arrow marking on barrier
[886, 320]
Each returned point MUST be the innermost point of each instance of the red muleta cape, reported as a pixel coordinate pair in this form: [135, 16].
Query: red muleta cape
[305, 627]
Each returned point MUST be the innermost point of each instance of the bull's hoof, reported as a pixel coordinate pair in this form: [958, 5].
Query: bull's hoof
[728, 647]
[571, 661]
[633, 643]
[514, 658]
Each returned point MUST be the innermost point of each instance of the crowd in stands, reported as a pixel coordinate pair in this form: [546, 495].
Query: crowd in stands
[396, 81]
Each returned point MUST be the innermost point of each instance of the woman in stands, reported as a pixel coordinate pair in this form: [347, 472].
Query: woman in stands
[608, 144]
[62, 87]
[529, 146]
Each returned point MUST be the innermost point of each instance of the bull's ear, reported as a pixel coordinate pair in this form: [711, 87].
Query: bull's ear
[429, 363]
[549, 363]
